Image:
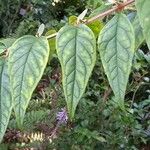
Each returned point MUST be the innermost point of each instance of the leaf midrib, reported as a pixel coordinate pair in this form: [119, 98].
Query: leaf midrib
[73, 87]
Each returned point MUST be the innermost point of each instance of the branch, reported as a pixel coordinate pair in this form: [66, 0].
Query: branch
[110, 11]
[117, 8]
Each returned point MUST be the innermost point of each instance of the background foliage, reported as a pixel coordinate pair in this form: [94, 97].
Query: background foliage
[99, 123]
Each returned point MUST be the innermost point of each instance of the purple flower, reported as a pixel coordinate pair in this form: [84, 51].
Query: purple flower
[22, 12]
[62, 116]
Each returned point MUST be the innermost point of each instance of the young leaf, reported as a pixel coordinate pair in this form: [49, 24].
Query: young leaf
[5, 97]
[116, 47]
[100, 9]
[82, 15]
[96, 27]
[76, 51]
[143, 12]
[73, 20]
[27, 60]
[40, 29]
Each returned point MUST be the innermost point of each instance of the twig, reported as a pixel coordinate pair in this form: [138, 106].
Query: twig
[101, 15]
[110, 11]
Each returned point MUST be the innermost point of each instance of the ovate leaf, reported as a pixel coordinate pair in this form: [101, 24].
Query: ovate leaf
[116, 46]
[96, 27]
[76, 52]
[27, 60]
[144, 16]
[5, 97]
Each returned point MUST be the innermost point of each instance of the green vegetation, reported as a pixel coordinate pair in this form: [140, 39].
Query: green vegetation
[74, 80]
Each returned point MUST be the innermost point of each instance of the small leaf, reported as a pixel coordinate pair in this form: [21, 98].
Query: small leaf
[5, 97]
[143, 12]
[96, 27]
[52, 44]
[40, 29]
[75, 47]
[82, 15]
[72, 20]
[27, 60]
[116, 47]
[100, 9]
[94, 3]
[131, 16]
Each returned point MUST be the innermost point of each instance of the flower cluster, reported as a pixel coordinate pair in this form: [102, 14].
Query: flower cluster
[62, 116]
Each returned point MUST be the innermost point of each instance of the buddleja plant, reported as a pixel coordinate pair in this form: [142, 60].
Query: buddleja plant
[25, 59]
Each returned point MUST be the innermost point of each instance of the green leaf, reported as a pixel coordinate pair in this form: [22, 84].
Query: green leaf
[76, 49]
[116, 46]
[147, 57]
[143, 12]
[27, 60]
[100, 9]
[41, 29]
[96, 27]
[94, 3]
[72, 20]
[52, 44]
[131, 16]
[139, 37]
[5, 97]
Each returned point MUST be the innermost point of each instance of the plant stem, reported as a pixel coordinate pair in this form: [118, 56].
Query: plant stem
[110, 11]
[101, 15]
